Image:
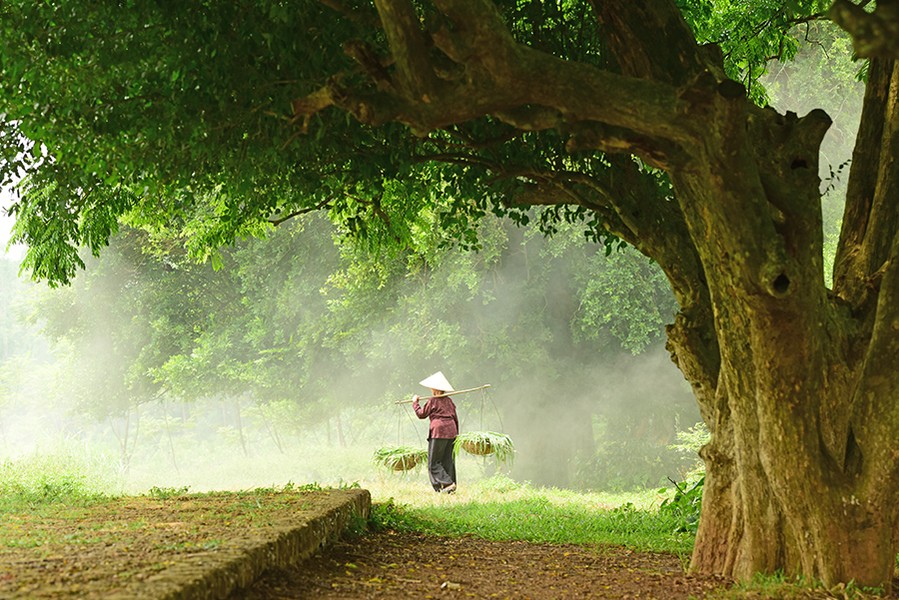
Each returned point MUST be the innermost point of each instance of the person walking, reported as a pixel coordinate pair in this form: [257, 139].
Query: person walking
[442, 431]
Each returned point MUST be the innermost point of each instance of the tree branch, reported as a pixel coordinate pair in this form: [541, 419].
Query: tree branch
[876, 417]
[874, 34]
[503, 78]
[302, 211]
[632, 31]
[619, 140]
[409, 48]
[871, 216]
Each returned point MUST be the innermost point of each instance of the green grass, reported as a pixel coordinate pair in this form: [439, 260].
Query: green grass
[500, 509]
[41, 481]
[495, 508]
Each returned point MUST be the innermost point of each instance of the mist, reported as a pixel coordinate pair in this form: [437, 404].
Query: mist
[82, 377]
[286, 366]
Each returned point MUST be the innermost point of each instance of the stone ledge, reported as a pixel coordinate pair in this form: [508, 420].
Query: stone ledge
[216, 575]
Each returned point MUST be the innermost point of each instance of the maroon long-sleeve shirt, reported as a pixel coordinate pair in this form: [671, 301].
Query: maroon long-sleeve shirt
[442, 412]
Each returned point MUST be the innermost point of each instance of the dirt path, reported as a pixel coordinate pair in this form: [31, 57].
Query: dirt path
[390, 565]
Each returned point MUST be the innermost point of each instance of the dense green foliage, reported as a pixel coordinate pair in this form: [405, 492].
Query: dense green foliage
[178, 120]
[173, 117]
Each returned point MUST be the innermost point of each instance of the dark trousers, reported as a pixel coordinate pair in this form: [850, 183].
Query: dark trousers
[441, 466]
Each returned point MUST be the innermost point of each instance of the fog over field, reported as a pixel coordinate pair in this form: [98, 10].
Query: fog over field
[572, 418]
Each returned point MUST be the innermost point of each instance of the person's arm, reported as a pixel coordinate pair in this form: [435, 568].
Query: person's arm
[420, 411]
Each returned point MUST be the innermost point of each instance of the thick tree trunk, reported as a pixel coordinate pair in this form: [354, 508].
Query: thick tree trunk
[720, 525]
[801, 473]
[753, 522]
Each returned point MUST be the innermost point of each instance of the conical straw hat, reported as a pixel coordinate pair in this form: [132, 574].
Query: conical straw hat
[437, 382]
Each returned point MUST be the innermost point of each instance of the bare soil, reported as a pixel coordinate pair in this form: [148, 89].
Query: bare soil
[400, 565]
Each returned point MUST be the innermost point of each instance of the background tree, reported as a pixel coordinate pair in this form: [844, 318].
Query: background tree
[464, 106]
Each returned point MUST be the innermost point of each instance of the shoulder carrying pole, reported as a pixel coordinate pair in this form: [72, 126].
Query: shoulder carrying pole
[453, 393]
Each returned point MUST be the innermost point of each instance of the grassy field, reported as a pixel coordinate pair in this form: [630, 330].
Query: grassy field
[499, 509]
[495, 508]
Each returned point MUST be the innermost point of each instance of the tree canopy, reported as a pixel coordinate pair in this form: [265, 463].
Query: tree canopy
[642, 121]
[176, 117]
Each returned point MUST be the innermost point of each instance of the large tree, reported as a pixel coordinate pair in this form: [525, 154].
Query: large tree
[402, 116]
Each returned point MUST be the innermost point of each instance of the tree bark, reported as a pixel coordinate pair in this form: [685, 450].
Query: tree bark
[875, 34]
[794, 399]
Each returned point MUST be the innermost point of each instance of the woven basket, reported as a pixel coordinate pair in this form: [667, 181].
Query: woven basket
[405, 463]
[478, 448]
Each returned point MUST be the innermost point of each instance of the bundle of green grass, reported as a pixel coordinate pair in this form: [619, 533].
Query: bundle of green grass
[485, 443]
[400, 458]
